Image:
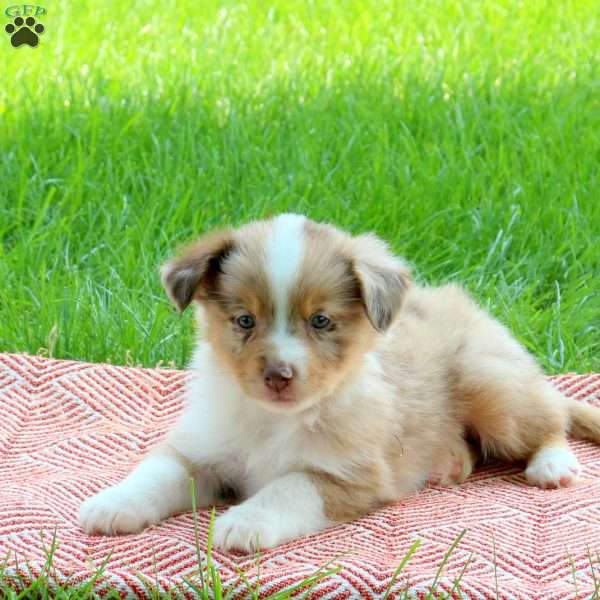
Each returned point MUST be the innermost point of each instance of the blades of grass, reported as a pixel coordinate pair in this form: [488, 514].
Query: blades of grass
[232, 589]
[31, 577]
[197, 533]
[258, 572]
[156, 583]
[446, 558]
[113, 594]
[26, 592]
[596, 594]
[573, 572]
[194, 587]
[321, 574]
[3, 570]
[495, 564]
[246, 582]
[229, 593]
[217, 585]
[312, 580]
[591, 561]
[49, 564]
[401, 566]
[407, 588]
[256, 589]
[457, 580]
[6, 586]
[88, 586]
[145, 583]
[18, 575]
[212, 572]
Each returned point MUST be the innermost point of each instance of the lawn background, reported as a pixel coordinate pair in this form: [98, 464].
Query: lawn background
[465, 133]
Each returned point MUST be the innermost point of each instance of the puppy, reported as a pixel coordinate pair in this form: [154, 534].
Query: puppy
[326, 385]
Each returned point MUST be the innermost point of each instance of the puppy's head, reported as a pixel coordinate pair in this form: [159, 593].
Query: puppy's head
[290, 305]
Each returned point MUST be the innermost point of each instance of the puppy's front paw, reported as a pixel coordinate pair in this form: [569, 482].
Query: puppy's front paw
[117, 510]
[553, 468]
[247, 528]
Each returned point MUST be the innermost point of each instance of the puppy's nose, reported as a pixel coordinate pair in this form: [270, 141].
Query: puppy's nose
[278, 377]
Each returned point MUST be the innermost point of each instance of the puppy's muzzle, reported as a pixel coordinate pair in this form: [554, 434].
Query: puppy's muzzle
[278, 377]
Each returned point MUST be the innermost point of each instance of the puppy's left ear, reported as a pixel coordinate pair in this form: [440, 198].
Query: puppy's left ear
[383, 277]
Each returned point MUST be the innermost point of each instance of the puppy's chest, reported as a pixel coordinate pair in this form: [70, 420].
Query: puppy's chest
[267, 452]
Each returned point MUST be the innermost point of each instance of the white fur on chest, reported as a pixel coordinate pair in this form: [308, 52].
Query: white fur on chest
[245, 444]
[269, 446]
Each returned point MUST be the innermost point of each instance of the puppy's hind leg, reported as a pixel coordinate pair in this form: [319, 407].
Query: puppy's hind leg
[518, 415]
[554, 464]
[503, 399]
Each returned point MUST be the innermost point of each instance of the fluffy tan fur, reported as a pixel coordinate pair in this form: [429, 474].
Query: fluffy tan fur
[452, 370]
[405, 384]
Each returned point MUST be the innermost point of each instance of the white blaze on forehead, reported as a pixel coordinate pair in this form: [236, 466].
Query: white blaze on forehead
[284, 253]
[285, 249]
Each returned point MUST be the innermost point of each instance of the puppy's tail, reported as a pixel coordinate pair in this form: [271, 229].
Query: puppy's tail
[585, 421]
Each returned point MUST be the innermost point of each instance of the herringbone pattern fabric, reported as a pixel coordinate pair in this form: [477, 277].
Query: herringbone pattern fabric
[70, 429]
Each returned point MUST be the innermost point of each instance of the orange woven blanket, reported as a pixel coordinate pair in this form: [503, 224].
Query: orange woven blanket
[69, 429]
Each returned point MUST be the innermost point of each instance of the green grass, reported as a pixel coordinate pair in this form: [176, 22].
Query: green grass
[18, 580]
[207, 584]
[465, 133]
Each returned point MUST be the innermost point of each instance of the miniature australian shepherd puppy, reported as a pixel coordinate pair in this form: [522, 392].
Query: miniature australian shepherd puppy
[326, 384]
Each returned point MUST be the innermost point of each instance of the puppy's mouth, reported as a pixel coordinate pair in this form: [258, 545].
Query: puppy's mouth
[283, 397]
[288, 400]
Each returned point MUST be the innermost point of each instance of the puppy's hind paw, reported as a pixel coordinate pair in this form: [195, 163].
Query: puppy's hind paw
[553, 468]
[455, 467]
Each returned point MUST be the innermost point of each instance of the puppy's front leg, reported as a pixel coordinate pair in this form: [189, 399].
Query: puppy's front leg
[286, 508]
[157, 488]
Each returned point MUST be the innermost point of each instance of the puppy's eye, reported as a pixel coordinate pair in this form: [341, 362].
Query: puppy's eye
[245, 321]
[319, 321]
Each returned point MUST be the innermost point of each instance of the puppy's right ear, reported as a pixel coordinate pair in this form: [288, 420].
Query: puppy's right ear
[193, 273]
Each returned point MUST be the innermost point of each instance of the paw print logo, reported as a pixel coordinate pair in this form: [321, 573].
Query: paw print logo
[24, 31]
